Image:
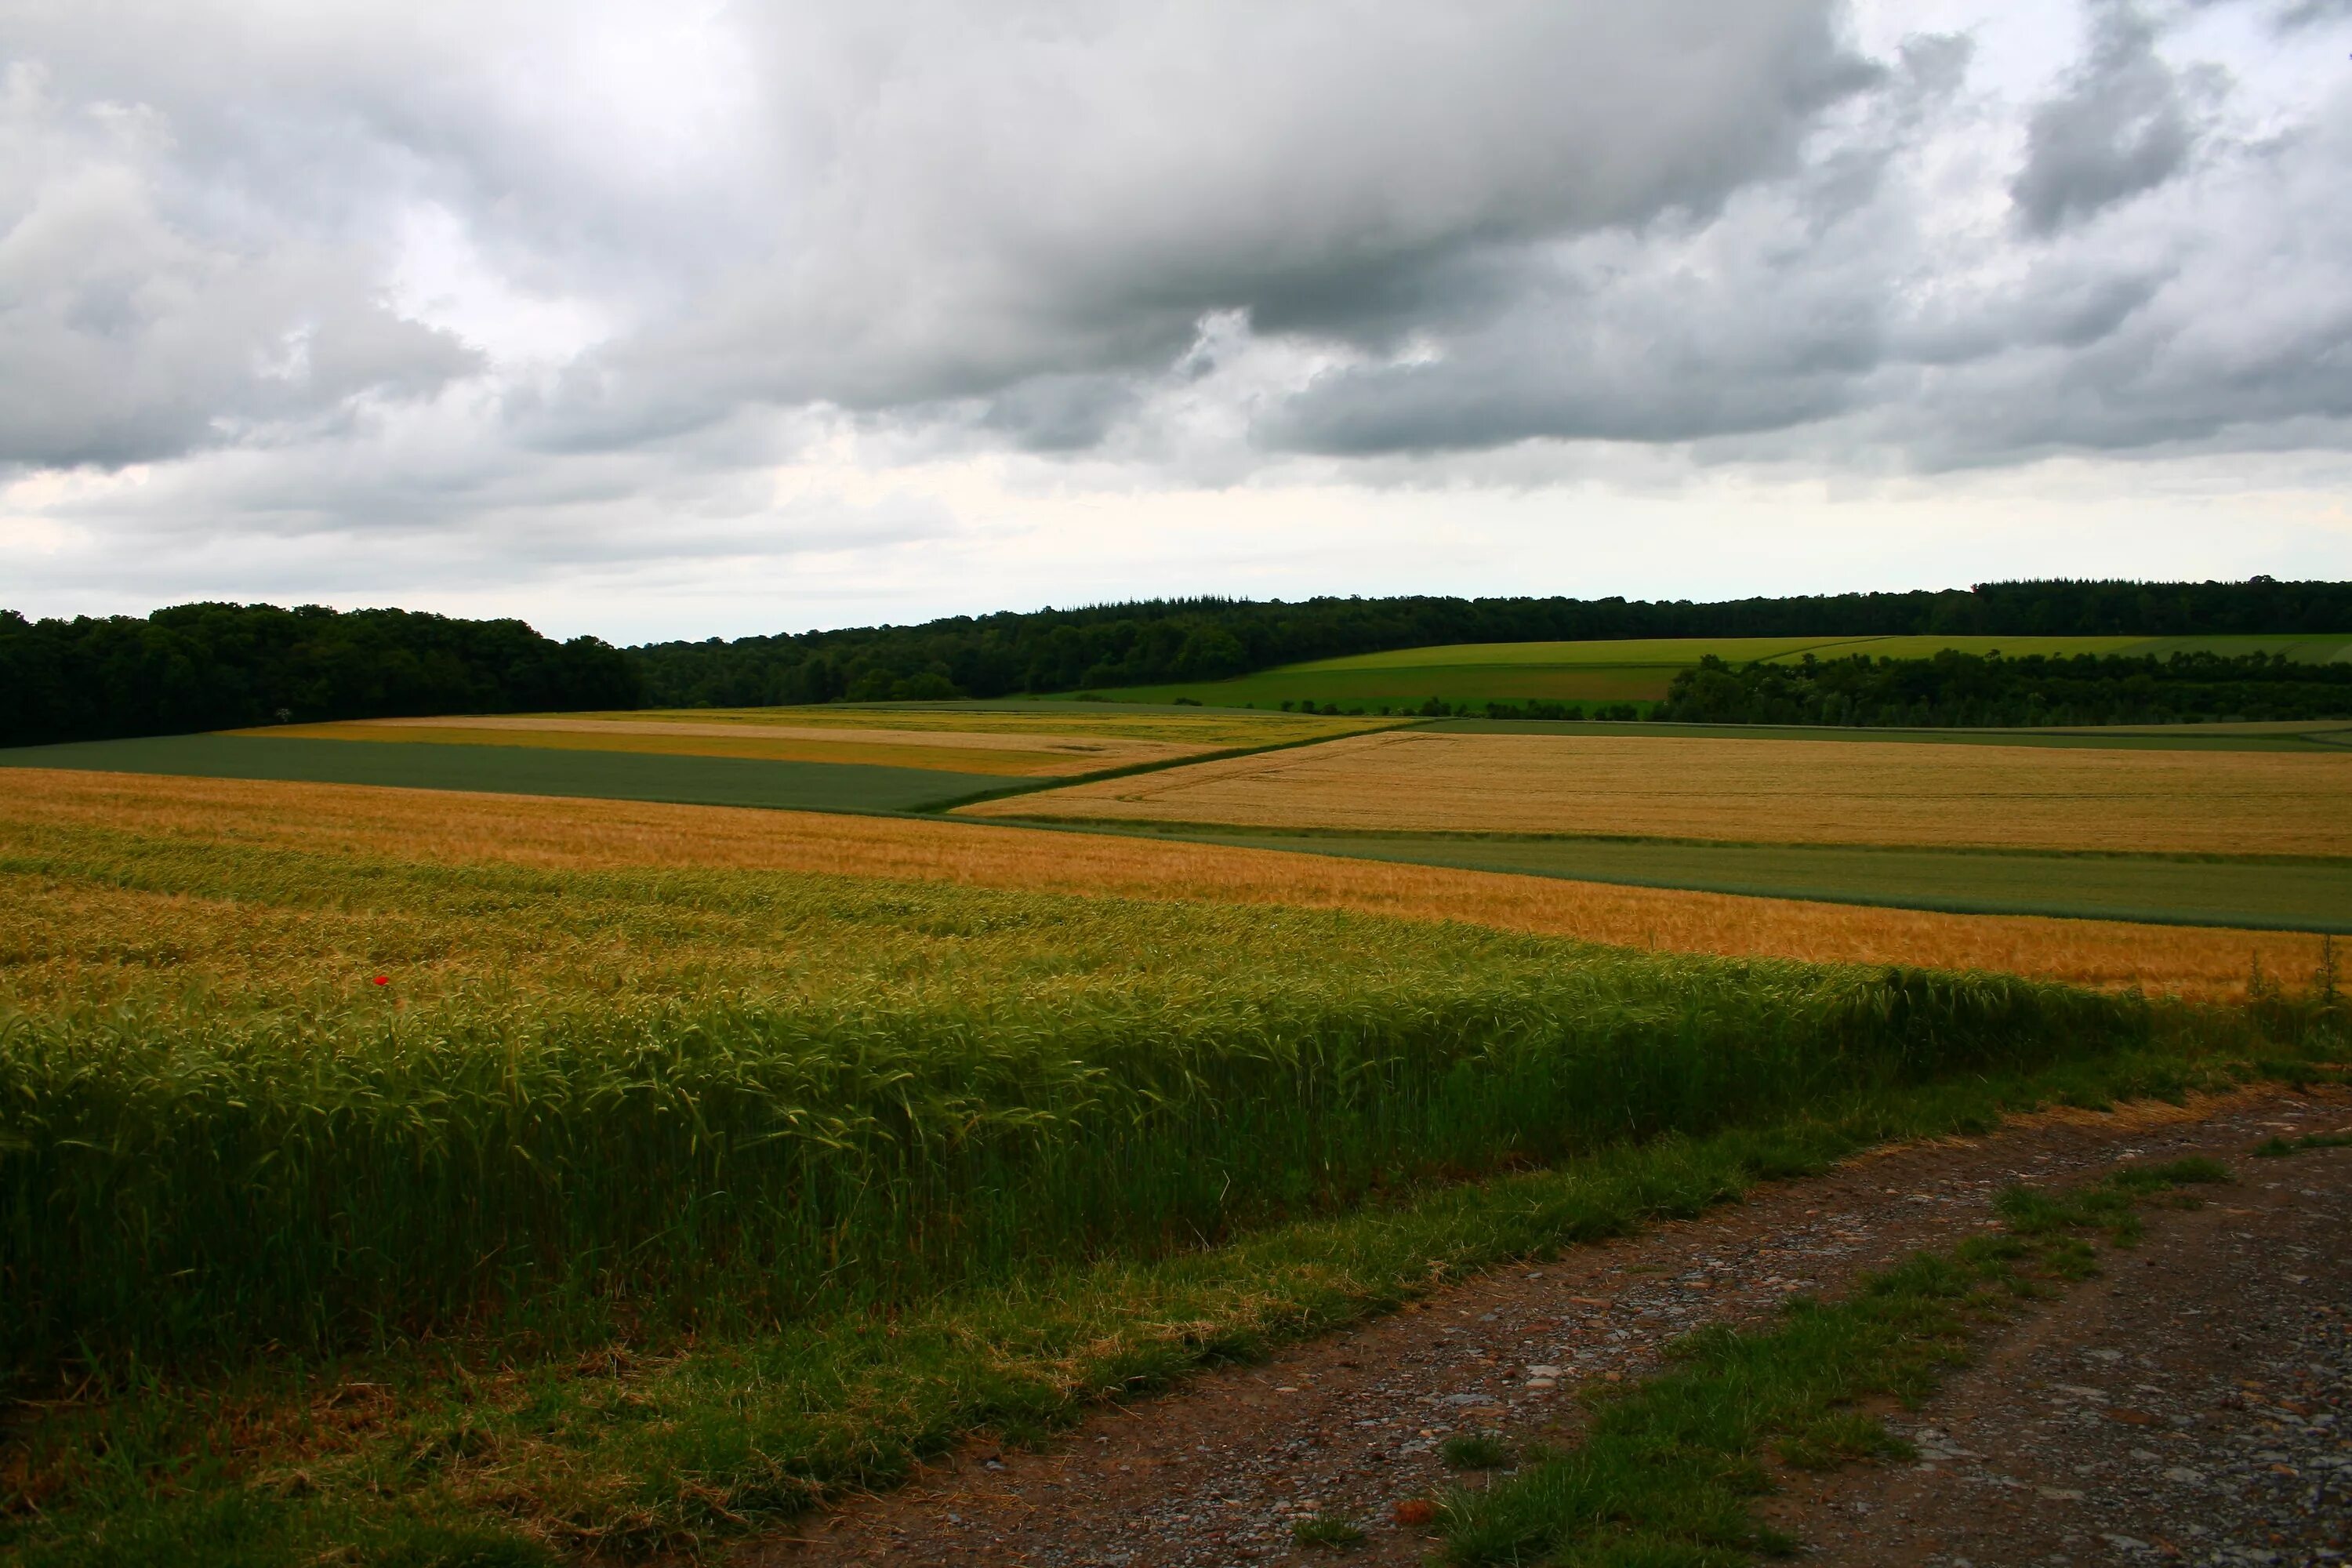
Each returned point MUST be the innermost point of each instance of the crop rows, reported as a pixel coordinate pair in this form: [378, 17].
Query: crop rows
[1753, 791]
[590, 1101]
[107, 827]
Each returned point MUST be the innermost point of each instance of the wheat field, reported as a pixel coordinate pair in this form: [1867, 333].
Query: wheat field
[456, 829]
[1752, 791]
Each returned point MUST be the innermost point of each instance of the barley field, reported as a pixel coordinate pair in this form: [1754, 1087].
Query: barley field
[1752, 791]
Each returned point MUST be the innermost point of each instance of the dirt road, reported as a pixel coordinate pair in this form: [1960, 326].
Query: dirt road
[2193, 1403]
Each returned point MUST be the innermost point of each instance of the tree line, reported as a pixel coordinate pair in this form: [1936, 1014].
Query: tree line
[221, 666]
[1171, 640]
[1967, 690]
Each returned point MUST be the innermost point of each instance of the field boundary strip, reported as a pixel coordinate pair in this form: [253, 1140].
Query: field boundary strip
[2281, 736]
[1221, 832]
[1210, 835]
[1040, 785]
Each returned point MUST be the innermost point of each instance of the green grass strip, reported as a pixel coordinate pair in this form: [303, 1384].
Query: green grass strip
[2251, 894]
[522, 770]
[2279, 1148]
[1665, 1475]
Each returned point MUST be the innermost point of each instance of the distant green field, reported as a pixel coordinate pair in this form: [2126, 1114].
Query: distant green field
[520, 769]
[2250, 894]
[2310, 736]
[1636, 670]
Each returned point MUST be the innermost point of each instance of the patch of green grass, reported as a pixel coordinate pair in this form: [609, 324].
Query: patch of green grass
[1669, 1467]
[2310, 736]
[1475, 1451]
[2279, 1148]
[1328, 1531]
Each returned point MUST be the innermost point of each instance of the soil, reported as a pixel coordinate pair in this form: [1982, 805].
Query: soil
[2192, 1404]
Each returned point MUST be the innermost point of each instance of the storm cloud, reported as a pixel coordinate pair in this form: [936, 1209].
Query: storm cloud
[595, 281]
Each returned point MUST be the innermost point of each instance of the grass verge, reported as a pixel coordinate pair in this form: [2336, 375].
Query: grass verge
[1667, 1469]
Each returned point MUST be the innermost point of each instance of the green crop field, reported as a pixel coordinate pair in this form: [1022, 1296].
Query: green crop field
[2273, 894]
[520, 769]
[1634, 670]
[2310, 736]
[369, 1201]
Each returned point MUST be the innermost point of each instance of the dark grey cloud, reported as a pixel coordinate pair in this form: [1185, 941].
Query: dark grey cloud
[1840, 308]
[1188, 239]
[2123, 126]
[1078, 204]
[1060, 413]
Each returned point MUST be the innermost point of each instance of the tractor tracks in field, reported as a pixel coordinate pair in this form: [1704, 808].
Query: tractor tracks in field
[2220, 1312]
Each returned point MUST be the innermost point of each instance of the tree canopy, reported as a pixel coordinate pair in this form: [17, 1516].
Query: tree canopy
[218, 666]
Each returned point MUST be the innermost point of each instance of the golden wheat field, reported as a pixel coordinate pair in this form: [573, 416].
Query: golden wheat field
[1752, 791]
[453, 828]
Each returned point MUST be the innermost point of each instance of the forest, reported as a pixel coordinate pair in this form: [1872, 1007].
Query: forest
[222, 666]
[1206, 639]
[1960, 690]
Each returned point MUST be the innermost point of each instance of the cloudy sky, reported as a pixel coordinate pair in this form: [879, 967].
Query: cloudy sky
[681, 319]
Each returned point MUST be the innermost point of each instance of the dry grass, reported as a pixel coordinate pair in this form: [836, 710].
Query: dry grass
[1016, 756]
[453, 828]
[1760, 791]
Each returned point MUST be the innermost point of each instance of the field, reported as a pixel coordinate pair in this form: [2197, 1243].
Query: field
[2311, 737]
[535, 769]
[2313, 894]
[626, 1174]
[863, 760]
[544, 1171]
[319, 823]
[1024, 756]
[1633, 671]
[1752, 791]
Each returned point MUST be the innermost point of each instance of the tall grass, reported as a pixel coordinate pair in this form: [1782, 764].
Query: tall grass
[191, 1183]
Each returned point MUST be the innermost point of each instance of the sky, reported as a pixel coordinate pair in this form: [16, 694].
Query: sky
[682, 320]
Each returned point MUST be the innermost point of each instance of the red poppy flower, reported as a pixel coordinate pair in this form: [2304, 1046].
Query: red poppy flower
[383, 980]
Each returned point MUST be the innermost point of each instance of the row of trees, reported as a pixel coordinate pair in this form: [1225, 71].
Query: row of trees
[1967, 689]
[218, 667]
[1170, 640]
